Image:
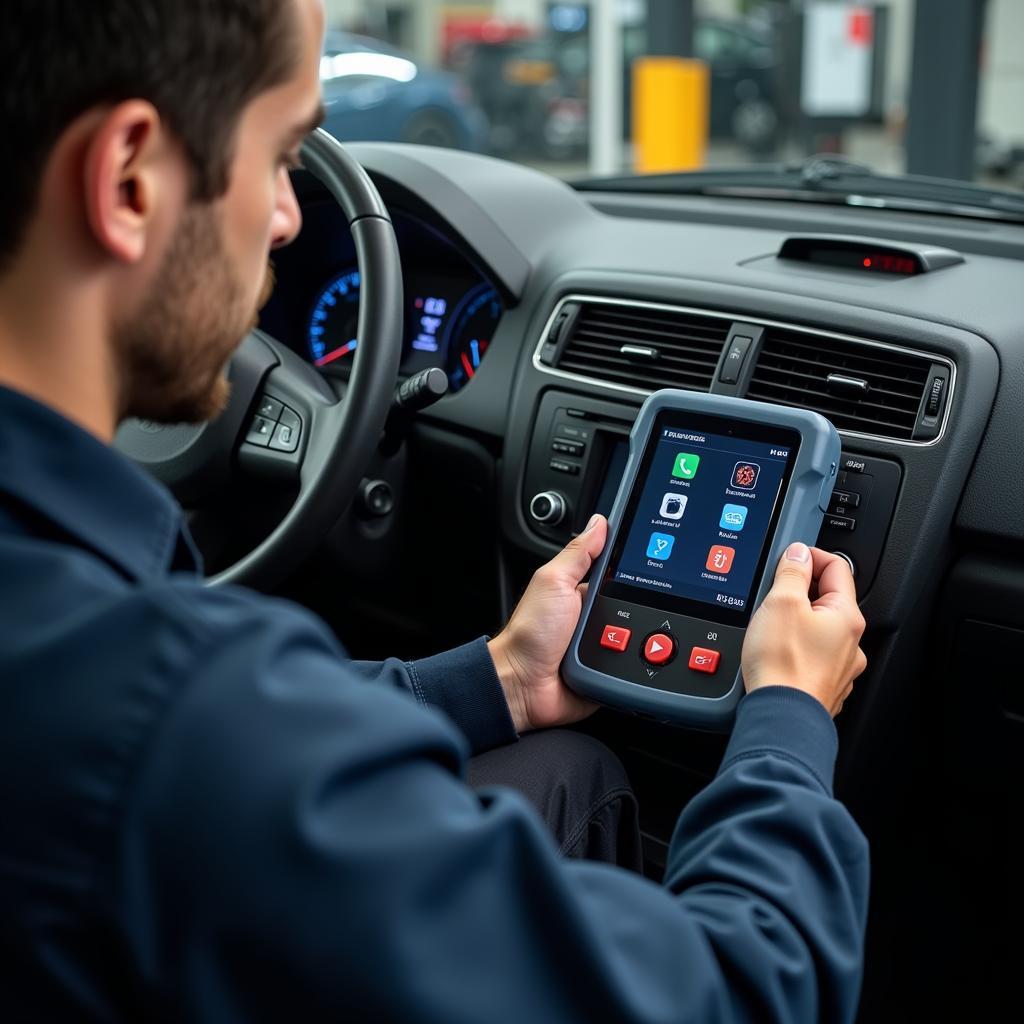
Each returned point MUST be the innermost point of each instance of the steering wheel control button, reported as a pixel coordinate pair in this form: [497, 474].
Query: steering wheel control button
[615, 638]
[659, 649]
[285, 439]
[702, 659]
[548, 508]
[291, 419]
[261, 431]
[270, 408]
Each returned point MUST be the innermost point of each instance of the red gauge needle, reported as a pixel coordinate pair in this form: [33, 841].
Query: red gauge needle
[336, 354]
[467, 365]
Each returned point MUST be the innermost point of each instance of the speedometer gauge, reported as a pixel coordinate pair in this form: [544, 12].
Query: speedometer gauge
[472, 328]
[332, 327]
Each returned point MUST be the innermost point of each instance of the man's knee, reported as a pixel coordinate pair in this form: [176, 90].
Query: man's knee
[578, 785]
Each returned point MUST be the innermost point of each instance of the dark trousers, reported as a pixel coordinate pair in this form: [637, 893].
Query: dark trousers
[579, 787]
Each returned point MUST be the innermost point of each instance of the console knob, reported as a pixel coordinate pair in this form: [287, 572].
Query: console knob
[848, 560]
[548, 508]
[376, 498]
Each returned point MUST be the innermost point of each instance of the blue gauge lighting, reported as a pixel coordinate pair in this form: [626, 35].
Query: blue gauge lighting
[332, 326]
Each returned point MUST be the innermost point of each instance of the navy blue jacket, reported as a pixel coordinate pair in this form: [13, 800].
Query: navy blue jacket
[208, 814]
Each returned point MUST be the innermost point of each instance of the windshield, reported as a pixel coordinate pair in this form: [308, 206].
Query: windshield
[631, 89]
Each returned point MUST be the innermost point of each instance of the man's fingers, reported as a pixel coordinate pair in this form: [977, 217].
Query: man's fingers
[573, 562]
[793, 574]
[833, 575]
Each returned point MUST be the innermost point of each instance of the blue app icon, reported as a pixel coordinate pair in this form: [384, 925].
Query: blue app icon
[660, 546]
[733, 517]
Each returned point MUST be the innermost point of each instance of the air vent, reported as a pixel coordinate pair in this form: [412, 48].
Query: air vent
[644, 346]
[863, 388]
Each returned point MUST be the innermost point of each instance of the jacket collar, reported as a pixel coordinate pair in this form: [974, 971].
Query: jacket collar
[95, 496]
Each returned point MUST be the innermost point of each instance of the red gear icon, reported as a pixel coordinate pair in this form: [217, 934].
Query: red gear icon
[745, 474]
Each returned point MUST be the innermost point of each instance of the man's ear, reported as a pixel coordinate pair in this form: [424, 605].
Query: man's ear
[130, 167]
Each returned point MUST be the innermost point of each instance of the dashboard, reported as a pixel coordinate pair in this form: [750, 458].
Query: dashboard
[581, 304]
[452, 309]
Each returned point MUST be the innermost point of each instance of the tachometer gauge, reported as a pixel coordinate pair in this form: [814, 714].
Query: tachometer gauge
[332, 327]
[472, 328]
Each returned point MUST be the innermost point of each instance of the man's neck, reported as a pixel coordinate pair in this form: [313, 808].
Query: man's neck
[52, 350]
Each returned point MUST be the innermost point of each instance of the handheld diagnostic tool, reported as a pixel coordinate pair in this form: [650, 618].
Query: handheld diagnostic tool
[714, 491]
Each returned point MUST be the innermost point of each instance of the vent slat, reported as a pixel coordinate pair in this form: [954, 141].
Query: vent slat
[841, 366]
[670, 358]
[709, 335]
[616, 338]
[688, 346]
[837, 406]
[793, 368]
[813, 351]
[638, 379]
[899, 397]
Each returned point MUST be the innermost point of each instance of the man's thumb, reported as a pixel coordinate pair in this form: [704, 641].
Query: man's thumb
[794, 571]
[575, 559]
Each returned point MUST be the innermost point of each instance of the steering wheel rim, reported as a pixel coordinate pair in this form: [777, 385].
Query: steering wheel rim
[339, 436]
[342, 435]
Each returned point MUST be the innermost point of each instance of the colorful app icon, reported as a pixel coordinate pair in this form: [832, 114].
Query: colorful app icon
[673, 505]
[745, 474]
[660, 546]
[686, 466]
[720, 559]
[733, 518]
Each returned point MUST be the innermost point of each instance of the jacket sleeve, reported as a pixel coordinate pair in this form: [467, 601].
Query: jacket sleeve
[463, 683]
[301, 847]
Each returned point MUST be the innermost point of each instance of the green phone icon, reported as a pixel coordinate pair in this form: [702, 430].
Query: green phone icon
[686, 466]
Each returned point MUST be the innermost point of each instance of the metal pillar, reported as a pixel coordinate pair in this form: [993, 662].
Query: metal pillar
[944, 88]
[605, 88]
[670, 28]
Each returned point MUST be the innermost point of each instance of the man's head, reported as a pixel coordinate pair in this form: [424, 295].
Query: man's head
[151, 141]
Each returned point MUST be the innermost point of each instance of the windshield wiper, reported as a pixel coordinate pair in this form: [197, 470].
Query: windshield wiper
[826, 178]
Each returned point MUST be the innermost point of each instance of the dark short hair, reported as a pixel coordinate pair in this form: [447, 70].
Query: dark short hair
[199, 62]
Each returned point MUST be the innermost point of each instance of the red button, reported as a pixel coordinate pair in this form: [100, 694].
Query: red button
[659, 648]
[615, 637]
[703, 660]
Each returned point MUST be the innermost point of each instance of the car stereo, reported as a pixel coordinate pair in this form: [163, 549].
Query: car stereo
[714, 490]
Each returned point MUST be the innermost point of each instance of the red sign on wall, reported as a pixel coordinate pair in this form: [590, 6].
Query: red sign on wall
[860, 26]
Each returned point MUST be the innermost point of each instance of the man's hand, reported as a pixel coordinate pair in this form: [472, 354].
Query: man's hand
[812, 646]
[529, 649]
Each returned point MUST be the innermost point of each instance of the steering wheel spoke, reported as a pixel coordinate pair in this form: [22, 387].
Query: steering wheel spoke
[292, 403]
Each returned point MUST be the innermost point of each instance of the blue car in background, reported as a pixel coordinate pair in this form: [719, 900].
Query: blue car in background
[374, 92]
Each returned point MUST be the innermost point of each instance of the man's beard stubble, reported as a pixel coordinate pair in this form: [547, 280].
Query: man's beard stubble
[172, 354]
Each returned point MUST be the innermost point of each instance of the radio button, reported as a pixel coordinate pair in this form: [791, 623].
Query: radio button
[573, 431]
[846, 523]
[575, 448]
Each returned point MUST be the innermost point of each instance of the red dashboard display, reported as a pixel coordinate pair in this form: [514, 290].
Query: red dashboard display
[849, 254]
[889, 263]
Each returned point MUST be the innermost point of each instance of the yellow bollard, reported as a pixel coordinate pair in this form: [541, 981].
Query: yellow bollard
[670, 114]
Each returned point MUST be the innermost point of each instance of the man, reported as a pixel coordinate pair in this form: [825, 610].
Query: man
[207, 814]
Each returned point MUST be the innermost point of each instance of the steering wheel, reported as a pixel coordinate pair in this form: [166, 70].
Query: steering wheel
[283, 421]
